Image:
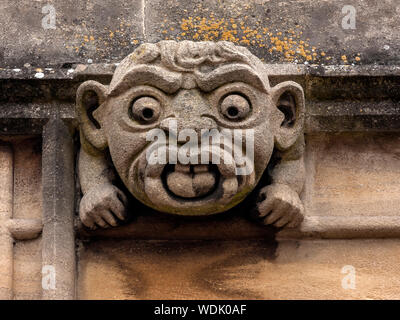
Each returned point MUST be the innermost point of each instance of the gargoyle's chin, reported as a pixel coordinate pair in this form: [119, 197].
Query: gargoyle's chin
[190, 189]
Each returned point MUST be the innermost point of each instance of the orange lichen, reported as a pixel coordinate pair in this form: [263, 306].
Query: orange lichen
[289, 44]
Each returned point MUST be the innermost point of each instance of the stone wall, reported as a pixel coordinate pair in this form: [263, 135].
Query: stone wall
[351, 81]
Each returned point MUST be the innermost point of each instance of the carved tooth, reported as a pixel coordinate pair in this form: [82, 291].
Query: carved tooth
[182, 168]
[200, 168]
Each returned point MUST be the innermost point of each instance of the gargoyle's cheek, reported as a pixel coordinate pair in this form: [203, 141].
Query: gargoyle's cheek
[125, 148]
[263, 148]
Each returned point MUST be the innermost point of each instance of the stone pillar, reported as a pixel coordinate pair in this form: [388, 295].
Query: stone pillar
[58, 209]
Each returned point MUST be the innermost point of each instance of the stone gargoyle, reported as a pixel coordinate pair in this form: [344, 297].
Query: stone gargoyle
[170, 95]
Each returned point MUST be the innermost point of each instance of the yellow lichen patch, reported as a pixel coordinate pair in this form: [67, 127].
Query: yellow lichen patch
[202, 28]
[214, 29]
[289, 44]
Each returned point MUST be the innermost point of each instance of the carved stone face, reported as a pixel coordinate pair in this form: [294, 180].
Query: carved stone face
[188, 90]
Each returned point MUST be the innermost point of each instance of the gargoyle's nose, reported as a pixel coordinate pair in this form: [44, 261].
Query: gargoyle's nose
[190, 110]
[176, 125]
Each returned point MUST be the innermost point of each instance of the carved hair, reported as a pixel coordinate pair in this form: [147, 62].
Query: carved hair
[187, 56]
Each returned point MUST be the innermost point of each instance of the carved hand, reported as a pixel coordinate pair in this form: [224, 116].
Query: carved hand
[103, 206]
[281, 206]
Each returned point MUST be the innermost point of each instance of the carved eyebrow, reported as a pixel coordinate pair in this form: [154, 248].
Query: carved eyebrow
[227, 74]
[155, 76]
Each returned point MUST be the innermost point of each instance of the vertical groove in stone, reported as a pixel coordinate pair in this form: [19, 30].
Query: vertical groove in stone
[6, 208]
[58, 209]
[144, 20]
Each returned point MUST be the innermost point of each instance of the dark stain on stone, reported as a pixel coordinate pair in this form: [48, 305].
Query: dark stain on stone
[217, 276]
[135, 283]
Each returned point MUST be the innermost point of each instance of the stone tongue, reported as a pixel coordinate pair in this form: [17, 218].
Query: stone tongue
[190, 185]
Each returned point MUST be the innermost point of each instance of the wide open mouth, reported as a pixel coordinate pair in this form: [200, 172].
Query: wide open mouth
[191, 181]
[188, 189]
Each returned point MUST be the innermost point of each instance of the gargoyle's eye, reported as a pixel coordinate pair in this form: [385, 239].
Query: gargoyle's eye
[235, 107]
[146, 109]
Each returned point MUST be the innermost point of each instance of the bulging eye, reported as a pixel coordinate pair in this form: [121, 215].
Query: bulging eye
[146, 109]
[235, 107]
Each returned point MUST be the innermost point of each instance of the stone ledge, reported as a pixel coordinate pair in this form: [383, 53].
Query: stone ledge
[345, 227]
[339, 98]
[75, 71]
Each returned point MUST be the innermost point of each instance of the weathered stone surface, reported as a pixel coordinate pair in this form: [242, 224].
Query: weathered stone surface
[27, 277]
[21, 213]
[305, 31]
[352, 187]
[279, 31]
[58, 195]
[238, 269]
[353, 175]
[98, 30]
[6, 208]
[27, 178]
[27, 265]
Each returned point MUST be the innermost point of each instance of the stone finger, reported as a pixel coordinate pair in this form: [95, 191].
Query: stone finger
[265, 207]
[100, 222]
[118, 208]
[286, 218]
[109, 218]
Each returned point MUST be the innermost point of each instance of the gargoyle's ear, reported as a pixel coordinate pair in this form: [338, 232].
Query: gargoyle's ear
[288, 97]
[89, 97]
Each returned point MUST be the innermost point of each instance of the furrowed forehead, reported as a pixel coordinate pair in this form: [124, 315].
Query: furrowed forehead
[213, 64]
[228, 73]
[151, 75]
[207, 78]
